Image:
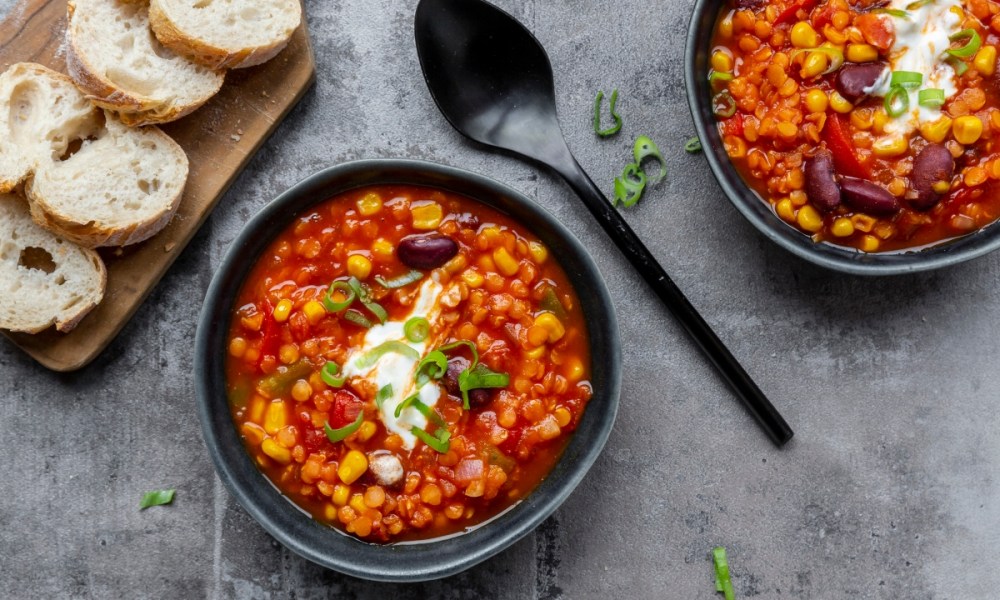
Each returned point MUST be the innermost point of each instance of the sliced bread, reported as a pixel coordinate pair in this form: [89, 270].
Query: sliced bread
[89, 178]
[225, 33]
[44, 279]
[113, 56]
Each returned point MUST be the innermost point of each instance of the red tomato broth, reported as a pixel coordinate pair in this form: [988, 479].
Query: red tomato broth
[498, 452]
[770, 88]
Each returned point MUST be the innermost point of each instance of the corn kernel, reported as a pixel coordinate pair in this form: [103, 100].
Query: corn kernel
[722, 61]
[562, 415]
[897, 187]
[967, 129]
[538, 251]
[890, 147]
[237, 347]
[785, 210]
[314, 311]
[573, 369]
[833, 35]
[369, 204]
[357, 502]
[804, 36]
[814, 65]
[986, 60]
[252, 433]
[879, 120]
[257, 407]
[936, 131]
[289, 353]
[358, 265]
[365, 432]
[860, 53]
[330, 512]
[382, 248]
[862, 119]
[535, 354]
[839, 103]
[506, 264]
[809, 219]
[816, 101]
[869, 243]
[352, 467]
[943, 187]
[282, 310]
[552, 324]
[275, 418]
[427, 216]
[473, 278]
[301, 390]
[842, 227]
[276, 451]
[340, 494]
[537, 335]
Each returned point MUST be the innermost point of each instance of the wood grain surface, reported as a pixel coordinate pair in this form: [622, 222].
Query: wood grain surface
[219, 139]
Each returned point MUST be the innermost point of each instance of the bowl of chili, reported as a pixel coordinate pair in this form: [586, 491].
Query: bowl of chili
[858, 136]
[403, 368]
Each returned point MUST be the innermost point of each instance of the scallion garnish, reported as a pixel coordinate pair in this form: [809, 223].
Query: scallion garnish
[716, 76]
[366, 300]
[433, 366]
[722, 582]
[645, 148]
[417, 329]
[398, 282]
[329, 375]
[906, 79]
[931, 98]
[373, 355]
[439, 441]
[630, 185]
[918, 4]
[383, 394]
[970, 47]
[614, 115]
[897, 101]
[406, 403]
[459, 343]
[892, 12]
[338, 286]
[354, 316]
[336, 435]
[477, 378]
[723, 105]
[693, 145]
[960, 66]
[156, 498]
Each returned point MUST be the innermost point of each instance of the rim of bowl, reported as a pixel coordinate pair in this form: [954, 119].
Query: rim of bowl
[759, 213]
[439, 557]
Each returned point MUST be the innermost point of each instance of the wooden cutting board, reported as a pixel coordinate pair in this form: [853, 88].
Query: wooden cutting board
[219, 138]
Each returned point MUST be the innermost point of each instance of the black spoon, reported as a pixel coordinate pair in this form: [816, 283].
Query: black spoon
[493, 82]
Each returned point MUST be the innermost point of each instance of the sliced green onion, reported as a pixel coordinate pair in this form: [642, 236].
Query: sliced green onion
[470, 345]
[897, 101]
[893, 12]
[366, 300]
[716, 76]
[336, 435]
[355, 316]
[550, 302]
[723, 105]
[970, 47]
[960, 66]
[629, 187]
[597, 114]
[931, 98]
[918, 4]
[480, 377]
[433, 366]
[722, 582]
[348, 292]
[156, 498]
[417, 329]
[439, 441]
[329, 375]
[693, 145]
[398, 282]
[372, 356]
[906, 79]
[406, 403]
[645, 148]
[384, 393]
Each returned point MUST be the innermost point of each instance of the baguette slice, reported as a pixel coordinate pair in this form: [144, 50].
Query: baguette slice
[227, 34]
[41, 114]
[44, 279]
[120, 188]
[114, 57]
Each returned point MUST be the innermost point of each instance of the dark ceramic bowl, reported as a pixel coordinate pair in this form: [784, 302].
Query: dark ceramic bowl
[759, 213]
[323, 544]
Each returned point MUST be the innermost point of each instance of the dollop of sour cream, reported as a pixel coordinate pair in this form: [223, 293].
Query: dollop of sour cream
[921, 41]
[397, 370]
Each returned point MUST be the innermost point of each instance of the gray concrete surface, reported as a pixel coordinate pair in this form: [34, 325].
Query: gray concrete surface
[889, 490]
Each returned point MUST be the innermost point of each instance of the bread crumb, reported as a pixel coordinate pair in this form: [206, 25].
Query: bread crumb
[235, 138]
[239, 132]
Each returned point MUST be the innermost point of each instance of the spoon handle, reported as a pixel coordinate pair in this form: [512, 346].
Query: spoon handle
[644, 262]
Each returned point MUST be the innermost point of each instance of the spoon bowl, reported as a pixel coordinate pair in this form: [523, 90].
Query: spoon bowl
[493, 82]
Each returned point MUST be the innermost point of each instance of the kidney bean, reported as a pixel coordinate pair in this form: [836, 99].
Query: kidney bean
[426, 251]
[867, 197]
[932, 165]
[821, 187]
[478, 397]
[852, 79]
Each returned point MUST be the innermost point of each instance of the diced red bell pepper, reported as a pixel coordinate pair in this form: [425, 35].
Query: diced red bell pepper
[845, 160]
[733, 125]
[270, 333]
[790, 14]
[345, 409]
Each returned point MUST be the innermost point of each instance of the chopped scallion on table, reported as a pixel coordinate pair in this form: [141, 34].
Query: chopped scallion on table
[722, 582]
[156, 498]
[614, 115]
